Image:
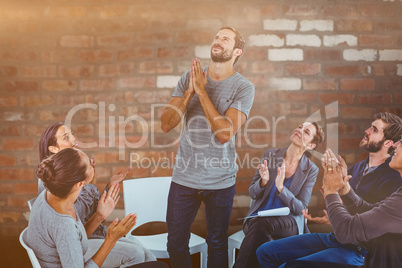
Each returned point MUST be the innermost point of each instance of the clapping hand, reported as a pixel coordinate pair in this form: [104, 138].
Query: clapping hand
[108, 201]
[264, 173]
[321, 220]
[119, 177]
[280, 178]
[333, 180]
[117, 230]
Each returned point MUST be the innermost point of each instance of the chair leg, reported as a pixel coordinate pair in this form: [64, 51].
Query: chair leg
[231, 254]
[204, 257]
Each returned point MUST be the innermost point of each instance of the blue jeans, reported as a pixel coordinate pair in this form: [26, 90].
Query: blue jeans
[183, 204]
[309, 250]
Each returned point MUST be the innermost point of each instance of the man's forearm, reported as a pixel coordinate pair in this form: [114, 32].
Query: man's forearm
[174, 112]
[220, 126]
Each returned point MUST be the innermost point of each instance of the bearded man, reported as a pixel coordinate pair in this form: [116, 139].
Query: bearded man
[213, 103]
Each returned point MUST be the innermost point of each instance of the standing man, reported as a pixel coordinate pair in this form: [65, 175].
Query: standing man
[215, 102]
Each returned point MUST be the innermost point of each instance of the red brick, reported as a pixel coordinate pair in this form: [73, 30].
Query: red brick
[115, 41]
[135, 53]
[51, 115]
[96, 55]
[151, 67]
[376, 10]
[67, 12]
[97, 85]
[6, 160]
[399, 41]
[112, 11]
[174, 52]
[8, 71]
[289, 108]
[16, 174]
[342, 98]
[77, 41]
[17, 144]
[376, 40]
[35, 101]
[393, 110]
[9, 216]
[265, 67]
[353, 26]
[259, 81]
[137, 82]
[59, 85]
[322, 84]
[349, 143]
[271, 9]
[378, 70]
[323, 55]
[25, 188]
[255, 54]
[9, 131]
[357, 113]
[72, 100]
[6, 188]
[77, 71]
[20, 56]
[39, 71]
[388, 26]
[194, 37]
[8, 101]
[161, 172]
[357, 84]
[303, 69]
[17, 201]
[116, 69]
[66, 55]
[374, 98]
[152, 38]
[26, 86]
[336, 10]
[341, 70]
[398, 98]
[347, 128]
[298, 96]
[300, 10]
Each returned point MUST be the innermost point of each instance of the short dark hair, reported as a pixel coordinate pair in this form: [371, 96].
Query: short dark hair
[318, 137]
[47, 139]
[240, 42]
[60, 172]
[393, 128]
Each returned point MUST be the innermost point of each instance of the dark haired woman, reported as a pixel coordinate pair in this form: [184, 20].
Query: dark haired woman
[55, 232]
[285, 178]
[58, 137]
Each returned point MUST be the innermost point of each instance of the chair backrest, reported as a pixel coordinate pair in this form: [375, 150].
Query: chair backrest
[147, 197]
[31, 202]
[31, 254]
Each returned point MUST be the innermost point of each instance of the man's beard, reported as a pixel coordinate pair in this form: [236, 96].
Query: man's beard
[224, 56]
[372, 147]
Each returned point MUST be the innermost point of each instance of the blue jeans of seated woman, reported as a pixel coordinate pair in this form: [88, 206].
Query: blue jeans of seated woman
[183, 204]
[310, 250]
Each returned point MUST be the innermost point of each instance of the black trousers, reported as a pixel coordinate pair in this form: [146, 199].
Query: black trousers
[260, 230]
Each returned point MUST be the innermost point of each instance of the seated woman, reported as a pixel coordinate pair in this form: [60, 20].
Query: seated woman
[55, 232]
[126, 252]
[285, 178]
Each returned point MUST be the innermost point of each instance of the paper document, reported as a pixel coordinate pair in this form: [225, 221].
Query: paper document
[271, 212]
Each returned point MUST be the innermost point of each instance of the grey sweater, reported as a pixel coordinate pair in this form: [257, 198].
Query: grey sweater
[58, 240]
[369, 221]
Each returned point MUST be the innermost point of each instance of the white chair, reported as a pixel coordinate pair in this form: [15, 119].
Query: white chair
[31, 202]
[234, 241]
[148, 198]
[31, 254]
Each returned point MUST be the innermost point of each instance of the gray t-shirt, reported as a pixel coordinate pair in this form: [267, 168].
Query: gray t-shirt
[58, 240]
[202, 162]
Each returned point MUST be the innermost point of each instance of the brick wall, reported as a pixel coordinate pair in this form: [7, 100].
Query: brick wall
[124, 57]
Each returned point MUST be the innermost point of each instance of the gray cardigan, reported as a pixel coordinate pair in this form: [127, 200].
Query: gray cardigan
[57, 240]
[298, 195]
